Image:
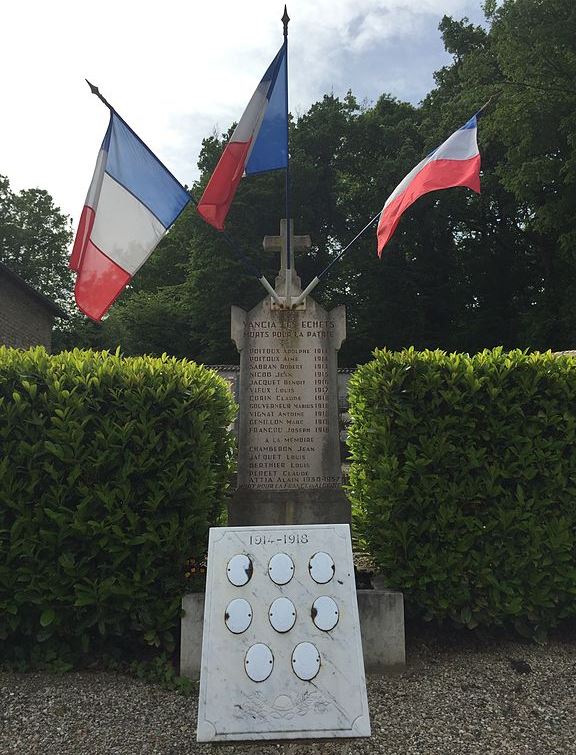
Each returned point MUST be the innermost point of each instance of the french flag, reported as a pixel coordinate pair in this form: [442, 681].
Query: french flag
[259, 143]
[132, 201]
[456, 162]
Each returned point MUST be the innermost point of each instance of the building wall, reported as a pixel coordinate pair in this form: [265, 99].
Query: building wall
[24, 321]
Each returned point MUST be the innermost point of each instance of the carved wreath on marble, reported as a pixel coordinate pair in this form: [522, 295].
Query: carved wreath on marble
[283, 706]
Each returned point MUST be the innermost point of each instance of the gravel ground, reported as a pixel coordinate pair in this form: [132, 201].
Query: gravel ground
[456, 696]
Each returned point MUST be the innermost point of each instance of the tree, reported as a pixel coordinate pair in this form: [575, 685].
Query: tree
[34, 241]
[535, 45]
[518, 253]
[462, 272]
[494, 258]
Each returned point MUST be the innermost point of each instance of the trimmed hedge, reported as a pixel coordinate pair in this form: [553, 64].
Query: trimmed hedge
[463, 478]
[111, 472]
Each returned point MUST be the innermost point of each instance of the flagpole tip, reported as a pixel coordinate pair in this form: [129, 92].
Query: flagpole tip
[93, 89]
[285, 19]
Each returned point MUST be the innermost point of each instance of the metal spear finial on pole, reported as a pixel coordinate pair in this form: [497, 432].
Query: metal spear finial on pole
[94, 89]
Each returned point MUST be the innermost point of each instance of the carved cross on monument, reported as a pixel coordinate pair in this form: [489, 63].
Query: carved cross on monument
[286, 288]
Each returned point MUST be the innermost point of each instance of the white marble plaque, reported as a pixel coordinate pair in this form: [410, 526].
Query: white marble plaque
[281, 654]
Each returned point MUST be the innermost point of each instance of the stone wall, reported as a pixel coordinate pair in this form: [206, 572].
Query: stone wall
[25, 320]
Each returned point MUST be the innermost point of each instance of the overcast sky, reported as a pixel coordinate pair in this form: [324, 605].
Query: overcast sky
[176, 71]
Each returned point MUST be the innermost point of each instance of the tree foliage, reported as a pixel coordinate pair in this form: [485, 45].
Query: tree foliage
[34, 240]
[462, 271]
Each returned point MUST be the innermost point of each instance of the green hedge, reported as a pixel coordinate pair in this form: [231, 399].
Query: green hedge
[111, 471]
[463, 479]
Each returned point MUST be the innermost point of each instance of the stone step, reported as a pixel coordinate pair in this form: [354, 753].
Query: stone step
[381, 626]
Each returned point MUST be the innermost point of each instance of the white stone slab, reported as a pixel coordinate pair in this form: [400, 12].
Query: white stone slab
[312, 679]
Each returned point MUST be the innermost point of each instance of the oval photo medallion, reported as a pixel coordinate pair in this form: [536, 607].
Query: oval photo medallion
[259, 662]
[306, 661]
[238, 616]
[321, 567]
[325, 613]
[281, 568]
[282, 614]
[239, 569]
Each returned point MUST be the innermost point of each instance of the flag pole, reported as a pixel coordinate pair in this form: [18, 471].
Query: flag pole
[250, 269]
[485, 105]
[288, 303]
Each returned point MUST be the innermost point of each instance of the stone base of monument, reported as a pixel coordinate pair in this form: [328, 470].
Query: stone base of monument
[280, 507]
[381, 626]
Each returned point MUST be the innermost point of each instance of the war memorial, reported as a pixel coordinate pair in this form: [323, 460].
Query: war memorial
[282, 634]
[281, 638]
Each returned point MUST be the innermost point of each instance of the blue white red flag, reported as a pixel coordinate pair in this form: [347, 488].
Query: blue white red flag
[456, 162]
[132, 201]
[259, 143]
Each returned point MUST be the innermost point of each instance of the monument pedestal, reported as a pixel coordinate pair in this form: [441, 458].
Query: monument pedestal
[381, 615]
[314, 506]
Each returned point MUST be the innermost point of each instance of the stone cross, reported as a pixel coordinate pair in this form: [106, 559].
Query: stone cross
[279, 244]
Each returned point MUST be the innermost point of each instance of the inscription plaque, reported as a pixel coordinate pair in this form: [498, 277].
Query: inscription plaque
[289, 436]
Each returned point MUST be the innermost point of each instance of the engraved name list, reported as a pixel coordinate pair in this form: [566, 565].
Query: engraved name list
[287, 364]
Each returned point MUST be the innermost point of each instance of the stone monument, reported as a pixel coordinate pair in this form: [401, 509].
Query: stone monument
[289, 486]
[289, 467]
